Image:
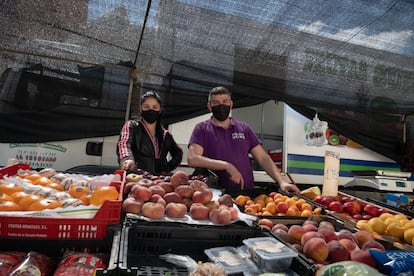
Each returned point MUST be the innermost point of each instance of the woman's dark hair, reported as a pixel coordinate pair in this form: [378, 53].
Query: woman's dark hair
[150, 94]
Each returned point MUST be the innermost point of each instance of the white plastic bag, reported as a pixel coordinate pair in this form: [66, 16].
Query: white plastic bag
[315, 132]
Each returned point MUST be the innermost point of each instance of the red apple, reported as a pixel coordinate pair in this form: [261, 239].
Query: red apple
[326, 200]
[352, 207]
[372, 210]
[336, 206]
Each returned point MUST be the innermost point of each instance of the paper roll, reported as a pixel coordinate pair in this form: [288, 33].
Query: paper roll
[331, 174]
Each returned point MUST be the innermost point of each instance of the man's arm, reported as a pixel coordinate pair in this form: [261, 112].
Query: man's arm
[264, 160]
[196, 159]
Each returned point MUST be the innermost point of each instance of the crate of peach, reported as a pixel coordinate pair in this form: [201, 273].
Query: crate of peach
[178, 197]
[47, 204]
[276, 204]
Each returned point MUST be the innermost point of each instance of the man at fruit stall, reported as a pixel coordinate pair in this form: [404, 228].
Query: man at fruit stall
[145, 144]
[222, 144]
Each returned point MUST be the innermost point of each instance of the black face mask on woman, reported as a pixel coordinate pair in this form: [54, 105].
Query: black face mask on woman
[220, 112]
[150, 115]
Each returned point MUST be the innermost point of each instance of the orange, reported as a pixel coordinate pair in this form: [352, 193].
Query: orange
[241, 199]
[42, 181]
[78, 191]
[43, 204]
[306, 206]
[306, 213]
[18, 195]
[26, 201]
[56, 186]
[32, 177]
[292, 211]
[101, 194]
[317, 211]
[86, 199]
[9, 188]
[9, 206]
[5, 197]
[271, 207]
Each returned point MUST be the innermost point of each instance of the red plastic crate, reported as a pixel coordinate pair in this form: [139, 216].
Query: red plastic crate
[64, 228]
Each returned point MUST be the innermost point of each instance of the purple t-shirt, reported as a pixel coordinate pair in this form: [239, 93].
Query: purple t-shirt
[232, 145]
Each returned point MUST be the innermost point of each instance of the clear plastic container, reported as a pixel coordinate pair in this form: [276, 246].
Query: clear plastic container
[270, 254]
[230, 259]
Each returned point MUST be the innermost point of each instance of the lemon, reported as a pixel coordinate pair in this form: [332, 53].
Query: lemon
[378, 226]
[384, 216]
[395, 229]
[409, 235]
[364, 225]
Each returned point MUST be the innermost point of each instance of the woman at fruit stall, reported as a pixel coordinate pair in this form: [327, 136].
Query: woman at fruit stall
[222, 144]
[145, 143]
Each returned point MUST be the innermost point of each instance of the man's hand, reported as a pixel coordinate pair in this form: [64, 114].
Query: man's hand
[287, 187]
[235, 175]
[128, 165]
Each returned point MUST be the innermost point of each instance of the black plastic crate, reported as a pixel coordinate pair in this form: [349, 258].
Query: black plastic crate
[142, 242]
[107, 248]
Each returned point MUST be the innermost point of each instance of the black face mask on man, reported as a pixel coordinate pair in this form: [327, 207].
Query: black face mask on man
[150, 115]
[220, 112]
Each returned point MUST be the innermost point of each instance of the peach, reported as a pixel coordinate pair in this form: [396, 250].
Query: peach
[308, 221]
[132, 205]
[179, 178]
[220, 215]
[296, 231]
[234, 213]
[349, 244]
[199, 211]
[316, 249]
[280, 226]
[140, 192]
[172, 197]
[309, 227]
[212, 204]
[166, 186]
[146, 182]
[326, 224]
[187, 202]
[337, 252]
[310, 235]
[128, 186]
[373, 244]
[175, 210]
[157, 198]
[185, 191]
[198, 185]
[226, 199]
[345, 234]
[363, 256]
[362, 236]
[153, 210]
[202, 196]
[265, 221]
[157, 189]
[328, 234]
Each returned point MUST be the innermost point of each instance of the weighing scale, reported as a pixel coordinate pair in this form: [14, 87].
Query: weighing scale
[382, 180]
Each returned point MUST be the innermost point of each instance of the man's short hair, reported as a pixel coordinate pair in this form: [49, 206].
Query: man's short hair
[219, 90]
